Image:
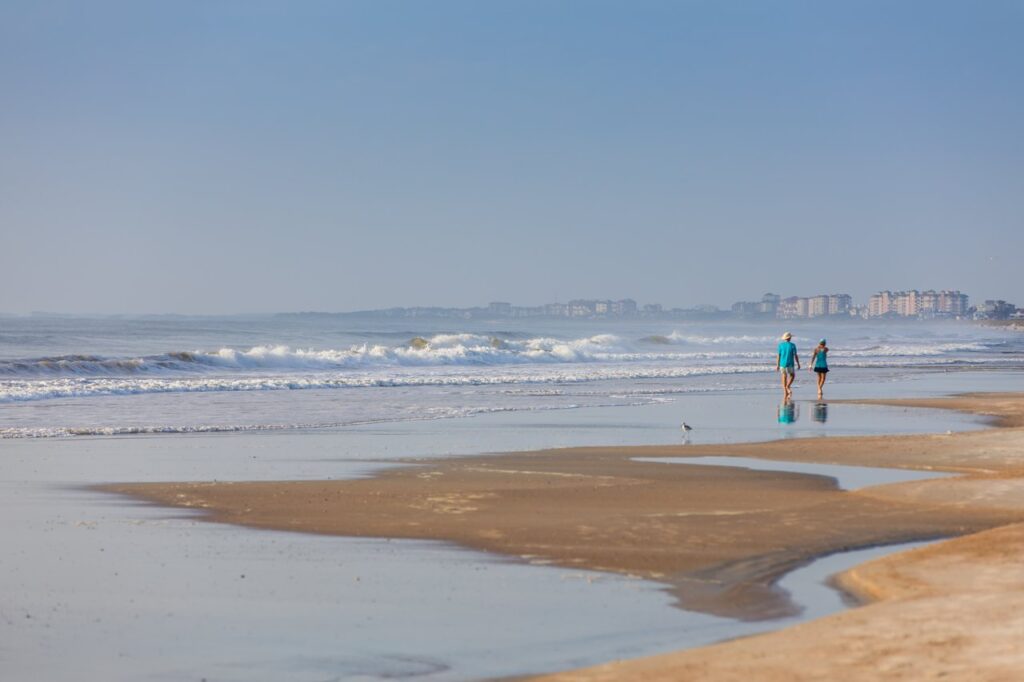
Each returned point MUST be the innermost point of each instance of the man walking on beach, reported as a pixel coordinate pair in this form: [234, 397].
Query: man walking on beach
[784, 362]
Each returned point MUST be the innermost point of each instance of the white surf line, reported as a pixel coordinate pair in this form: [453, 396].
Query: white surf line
[848, 477]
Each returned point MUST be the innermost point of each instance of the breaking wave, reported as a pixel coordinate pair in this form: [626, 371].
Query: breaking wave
[699, 340]
[440, 351]
[82, 387]
[77, 387]
[450, 359]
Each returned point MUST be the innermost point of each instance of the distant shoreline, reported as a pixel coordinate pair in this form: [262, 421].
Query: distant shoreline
[1015, 325]
[682, 316]
[480, 315]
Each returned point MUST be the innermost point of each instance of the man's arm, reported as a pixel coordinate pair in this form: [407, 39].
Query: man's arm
[778, 360]
[796, 356]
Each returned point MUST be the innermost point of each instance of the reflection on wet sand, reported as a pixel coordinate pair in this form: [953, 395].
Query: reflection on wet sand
[820, 413]
[788, 413]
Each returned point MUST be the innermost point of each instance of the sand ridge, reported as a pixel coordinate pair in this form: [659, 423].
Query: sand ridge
[950, 611]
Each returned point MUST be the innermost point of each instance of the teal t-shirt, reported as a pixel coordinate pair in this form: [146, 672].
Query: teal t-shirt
[820, 361]
[787, 354]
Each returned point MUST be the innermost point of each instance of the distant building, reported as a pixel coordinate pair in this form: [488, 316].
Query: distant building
[995, 310]
[746, 308]
[581, 308]
[769, 304]
[817, 306]
[767, 307]
[933, 303]
[840, 304]
[653, 309]
[880, 304]
[928, 303]
[952, 303]
[792, 307]
[916, 303]
[907, 303]
[500, 308]
[626, 307]
[529, 311]
[556, 310]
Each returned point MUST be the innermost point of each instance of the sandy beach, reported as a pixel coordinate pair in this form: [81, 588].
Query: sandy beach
[721, 537]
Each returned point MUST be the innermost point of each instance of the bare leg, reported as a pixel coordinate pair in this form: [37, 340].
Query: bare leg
[788, 383]
[785, 386]
[821, 384]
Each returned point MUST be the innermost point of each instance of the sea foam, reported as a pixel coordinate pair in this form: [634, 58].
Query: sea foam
[447, 350]
[450, 359]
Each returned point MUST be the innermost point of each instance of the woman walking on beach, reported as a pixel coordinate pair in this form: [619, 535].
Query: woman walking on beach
[819, 365]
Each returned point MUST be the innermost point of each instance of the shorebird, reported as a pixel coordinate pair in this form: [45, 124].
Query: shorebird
[686, 427]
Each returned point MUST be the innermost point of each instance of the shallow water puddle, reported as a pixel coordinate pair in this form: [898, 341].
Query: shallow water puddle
[847, 477]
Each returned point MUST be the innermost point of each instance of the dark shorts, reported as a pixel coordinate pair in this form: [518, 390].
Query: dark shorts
[821, 370]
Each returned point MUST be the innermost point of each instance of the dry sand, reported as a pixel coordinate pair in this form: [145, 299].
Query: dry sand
[721, 537]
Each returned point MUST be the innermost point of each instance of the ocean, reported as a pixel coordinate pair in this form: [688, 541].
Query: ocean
[128, 591]
[63, 377]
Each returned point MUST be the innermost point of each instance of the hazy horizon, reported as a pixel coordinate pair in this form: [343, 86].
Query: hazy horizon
[260, 157]
[667, 308]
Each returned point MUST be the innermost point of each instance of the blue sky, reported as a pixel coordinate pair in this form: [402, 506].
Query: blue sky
[264, 156]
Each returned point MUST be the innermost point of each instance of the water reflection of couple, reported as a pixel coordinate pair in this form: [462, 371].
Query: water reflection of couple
[788, 413]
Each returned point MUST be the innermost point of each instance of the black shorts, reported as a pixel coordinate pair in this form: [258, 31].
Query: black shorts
[821, 370]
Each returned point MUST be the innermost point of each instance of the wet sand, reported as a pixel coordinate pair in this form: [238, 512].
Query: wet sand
[720, 537]
[951, 611]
